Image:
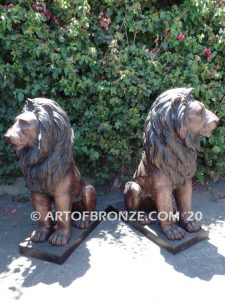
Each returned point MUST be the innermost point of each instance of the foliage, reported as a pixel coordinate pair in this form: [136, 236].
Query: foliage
[105, 62]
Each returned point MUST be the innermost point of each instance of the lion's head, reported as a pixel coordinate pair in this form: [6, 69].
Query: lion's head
[43, 140]
[172, 133]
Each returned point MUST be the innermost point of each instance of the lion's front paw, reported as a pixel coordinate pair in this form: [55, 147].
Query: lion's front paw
[173, 232]
[40, 235]
[59, 237]
[190, 225]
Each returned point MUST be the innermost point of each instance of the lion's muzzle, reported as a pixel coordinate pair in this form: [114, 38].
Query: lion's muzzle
[12, 137]
[211, 122]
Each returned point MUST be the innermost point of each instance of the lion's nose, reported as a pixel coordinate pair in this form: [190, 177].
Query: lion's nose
[217, 120]
[7, 137]
[211, 118]
[12, 137]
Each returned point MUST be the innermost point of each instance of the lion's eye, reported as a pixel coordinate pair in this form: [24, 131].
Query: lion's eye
[23, 122]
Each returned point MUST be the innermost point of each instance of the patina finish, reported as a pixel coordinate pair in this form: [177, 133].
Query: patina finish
[172, 134]
[43, 140]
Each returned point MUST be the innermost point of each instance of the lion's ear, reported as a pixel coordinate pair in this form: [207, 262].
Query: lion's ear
[176, 100]
[189, 91]
[29, 104]
[189, 94]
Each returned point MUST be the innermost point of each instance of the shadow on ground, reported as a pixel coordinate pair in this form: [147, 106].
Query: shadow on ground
[204, 260]
[201, 260]
[16, 225]
[14, 229]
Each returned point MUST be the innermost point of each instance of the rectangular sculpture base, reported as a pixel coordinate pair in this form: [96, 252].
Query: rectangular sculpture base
[55, 254]
[153, 232]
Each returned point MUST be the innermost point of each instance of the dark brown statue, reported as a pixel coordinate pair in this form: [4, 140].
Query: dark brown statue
[171, 141]
[43, 140]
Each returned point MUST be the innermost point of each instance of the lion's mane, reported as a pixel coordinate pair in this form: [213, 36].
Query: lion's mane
[164, 147]
[48, 160]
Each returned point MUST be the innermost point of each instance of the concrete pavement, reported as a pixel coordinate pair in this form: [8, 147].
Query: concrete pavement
[115, 261]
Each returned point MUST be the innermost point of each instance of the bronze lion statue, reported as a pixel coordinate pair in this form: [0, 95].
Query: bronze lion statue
[171, 140]
[43, 140]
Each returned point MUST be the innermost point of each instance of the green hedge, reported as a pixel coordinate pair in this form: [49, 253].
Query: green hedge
[105, 62]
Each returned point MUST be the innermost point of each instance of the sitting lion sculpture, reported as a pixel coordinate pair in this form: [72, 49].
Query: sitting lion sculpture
[171, 141]
[43, 140]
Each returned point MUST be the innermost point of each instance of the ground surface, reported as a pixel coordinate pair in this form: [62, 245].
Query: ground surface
[115, 261]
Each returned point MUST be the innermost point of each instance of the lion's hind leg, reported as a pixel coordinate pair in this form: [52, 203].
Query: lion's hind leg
[135, 200]
[85, 205]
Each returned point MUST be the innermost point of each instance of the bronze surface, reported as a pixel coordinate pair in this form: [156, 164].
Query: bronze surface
[43, 140]
[171, 140]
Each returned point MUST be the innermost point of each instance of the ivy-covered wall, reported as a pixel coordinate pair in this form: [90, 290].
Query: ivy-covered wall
[105, 62]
